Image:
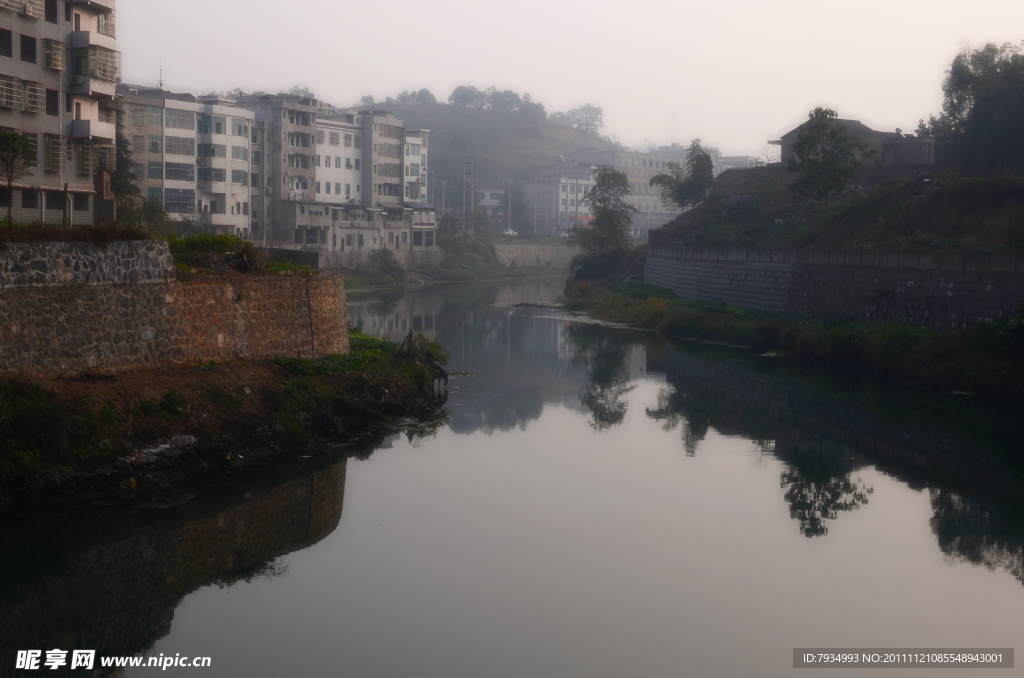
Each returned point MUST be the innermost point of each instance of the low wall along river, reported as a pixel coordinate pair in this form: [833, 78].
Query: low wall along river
[928, 289]
[71, 307]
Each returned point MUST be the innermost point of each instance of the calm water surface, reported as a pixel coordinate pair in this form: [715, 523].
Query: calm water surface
[599, 503]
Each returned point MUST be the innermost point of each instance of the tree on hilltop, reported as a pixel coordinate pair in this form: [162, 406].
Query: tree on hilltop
[982, 109]
[827, 158]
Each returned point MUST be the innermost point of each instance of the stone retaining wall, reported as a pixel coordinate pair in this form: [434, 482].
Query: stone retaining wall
[553, 256]
[72, 325]
[940, 289]
[79, 263]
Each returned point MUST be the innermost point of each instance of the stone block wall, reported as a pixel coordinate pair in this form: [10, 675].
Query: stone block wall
[940, 289]
[552, 256]
[97, 317]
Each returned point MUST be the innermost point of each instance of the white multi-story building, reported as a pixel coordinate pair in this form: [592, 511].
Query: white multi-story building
[557, 200]
[193, 155]
[58, 73]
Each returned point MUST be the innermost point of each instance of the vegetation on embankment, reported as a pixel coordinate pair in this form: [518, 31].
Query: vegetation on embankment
[87, 435]
[985, 359]
[929, 213]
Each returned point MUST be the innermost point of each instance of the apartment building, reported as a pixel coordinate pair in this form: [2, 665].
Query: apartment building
[345, 182]
[557, 199]
[193, 155]
[639, 168]
[58, 72]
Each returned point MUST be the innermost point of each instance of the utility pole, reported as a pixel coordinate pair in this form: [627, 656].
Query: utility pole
[509, 204]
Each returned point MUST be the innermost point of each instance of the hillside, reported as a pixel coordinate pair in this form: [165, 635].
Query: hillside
[503, 145]
[927, 213]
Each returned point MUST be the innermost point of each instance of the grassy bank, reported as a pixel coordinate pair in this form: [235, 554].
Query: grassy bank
[88, 435]
[986, 359]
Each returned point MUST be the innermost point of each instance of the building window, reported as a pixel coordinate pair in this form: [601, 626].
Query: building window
[316, 187]
[357, 163]
[155, 193]
[327, 187]
[417, 239]
[156, 170]
[239, 153]
[180, 172]
[337, 188]
[319, 136]
[180, 146]
[214, 174]
[6, 43]
[348, 163]
[180, 200]
[80, 202]
[348, 140]
[428, 238]
[335, 138]
[156, 116]
[219, 124]
[154, 143]
[28, 198]
[239, 177]
[348, 190]
[239, 127]
[140, 170]
[140, 116]
[180, 119]
[212, 150]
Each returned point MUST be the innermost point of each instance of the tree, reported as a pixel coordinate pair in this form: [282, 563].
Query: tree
[367, 101]
[16, 154]
[826, 156]
[466, 97]
[613, 216]
[300, 91]
[585, 118]
[684, 188]
[983, 104]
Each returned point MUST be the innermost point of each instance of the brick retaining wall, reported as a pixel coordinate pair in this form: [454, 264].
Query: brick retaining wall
[928, 289]
[69, 321]
[554, 256]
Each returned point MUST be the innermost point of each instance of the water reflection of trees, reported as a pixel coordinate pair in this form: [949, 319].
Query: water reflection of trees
[818, 487]
[604, 355]
[677, 408]
[971, 532]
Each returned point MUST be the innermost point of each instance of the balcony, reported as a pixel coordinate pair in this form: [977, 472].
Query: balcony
[93, 129]
[83, 84]
[95, 61]
[105, 25]
[87, 39]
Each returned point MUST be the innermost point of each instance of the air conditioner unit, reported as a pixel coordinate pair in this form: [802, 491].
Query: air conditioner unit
[77, 79]
[200, 184]
[269, 190]
[200, 162]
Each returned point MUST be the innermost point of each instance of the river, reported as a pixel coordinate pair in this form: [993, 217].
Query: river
[597, 502]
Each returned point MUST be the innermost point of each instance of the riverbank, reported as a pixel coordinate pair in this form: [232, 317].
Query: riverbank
[123, 437]
[988, 359]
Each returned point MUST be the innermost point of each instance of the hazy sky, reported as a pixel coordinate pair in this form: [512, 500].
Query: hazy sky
[736, 72]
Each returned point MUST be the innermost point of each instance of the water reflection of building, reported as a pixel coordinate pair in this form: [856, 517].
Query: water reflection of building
[392, 320]
[114, 588]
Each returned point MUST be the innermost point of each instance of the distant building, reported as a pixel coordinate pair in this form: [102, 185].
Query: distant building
[192, 155]
[58, 72]
[489, 196]
[639, 168]
[891, 148]
[345, 182]
[557, 199]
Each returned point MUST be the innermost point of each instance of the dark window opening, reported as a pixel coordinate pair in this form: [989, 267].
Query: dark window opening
[51, 11]
[6, 43]
[5, 197]
[52, 102]
[28, 198]
[417, 239]
[81, 202]
[68, 102]
[28, 49]
[54, 200]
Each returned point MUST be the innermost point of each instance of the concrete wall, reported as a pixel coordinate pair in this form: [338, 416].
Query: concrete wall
[418, 258]
[65, 320]
[554, 256]
[940, 289]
